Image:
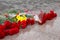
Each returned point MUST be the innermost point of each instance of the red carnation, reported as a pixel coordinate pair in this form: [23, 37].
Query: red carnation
[43, 20]
[13, 31]
[44, 17]
[32, 21]
[6, 31]
[51, 11]
[2, 27]
[24, 24]
[7, 24]
[14, 24]
[55, 15]
[28, 21]
[2, 34]
[49, 16]
[19, 23]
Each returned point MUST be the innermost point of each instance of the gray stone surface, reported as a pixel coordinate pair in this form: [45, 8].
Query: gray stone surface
[49, 31]
[29, 4]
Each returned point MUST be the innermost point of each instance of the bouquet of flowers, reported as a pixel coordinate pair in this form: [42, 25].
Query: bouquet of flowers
[13, 20]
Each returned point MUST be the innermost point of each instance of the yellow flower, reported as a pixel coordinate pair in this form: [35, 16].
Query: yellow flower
[21, 17]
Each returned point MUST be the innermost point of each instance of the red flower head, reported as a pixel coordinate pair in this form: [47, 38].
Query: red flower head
[53, 14]
[44, 18]
[28, 21]
[14, 24]
[13, 31]
[51, 11]
[2, 31]
[2, 27]
[6, 31]
[49, 16]
[24, 24]
[19, 24]
[2, 34]
[7, 24]
[32, 21]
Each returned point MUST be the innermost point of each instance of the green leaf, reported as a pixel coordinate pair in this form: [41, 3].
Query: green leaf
[12, 19]
[29, 16]
[12, 11]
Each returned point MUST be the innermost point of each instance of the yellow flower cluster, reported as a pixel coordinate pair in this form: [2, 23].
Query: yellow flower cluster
[21, 17]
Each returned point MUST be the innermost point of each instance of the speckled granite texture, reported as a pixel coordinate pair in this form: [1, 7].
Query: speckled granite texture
[49, 31]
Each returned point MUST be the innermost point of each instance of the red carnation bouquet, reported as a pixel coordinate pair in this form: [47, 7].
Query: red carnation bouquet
[11, 26]
[48, 16]
[8, 28]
